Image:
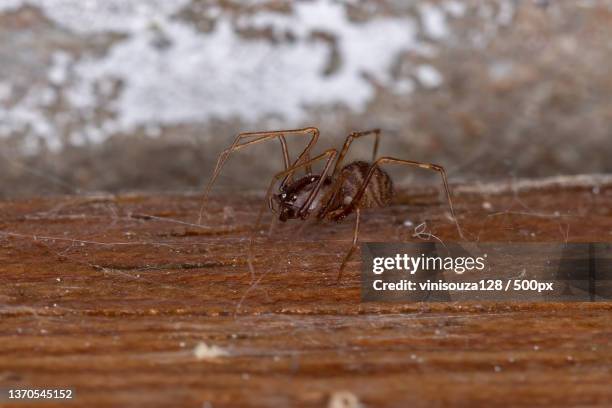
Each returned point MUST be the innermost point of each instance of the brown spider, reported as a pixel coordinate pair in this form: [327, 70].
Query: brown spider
[335, 193]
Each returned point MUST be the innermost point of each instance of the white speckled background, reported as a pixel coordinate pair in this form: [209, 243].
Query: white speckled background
[142, 94]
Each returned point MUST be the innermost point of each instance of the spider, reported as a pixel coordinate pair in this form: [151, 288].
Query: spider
[338, 191]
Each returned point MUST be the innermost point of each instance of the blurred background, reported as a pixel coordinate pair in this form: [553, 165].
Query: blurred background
[115, 95]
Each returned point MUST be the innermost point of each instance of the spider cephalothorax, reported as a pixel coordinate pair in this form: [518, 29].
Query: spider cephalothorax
[293, 195]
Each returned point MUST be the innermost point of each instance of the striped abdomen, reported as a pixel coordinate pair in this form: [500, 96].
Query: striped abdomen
[378, 192]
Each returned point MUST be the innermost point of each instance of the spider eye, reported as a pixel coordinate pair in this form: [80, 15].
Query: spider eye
[293, 197]
[284, 195]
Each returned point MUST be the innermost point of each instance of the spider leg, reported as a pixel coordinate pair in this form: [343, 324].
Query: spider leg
[338, 165]
[348, 255]
[328, 155]
[250, 138]
[427, 166]
[304, 211]
[347, 143]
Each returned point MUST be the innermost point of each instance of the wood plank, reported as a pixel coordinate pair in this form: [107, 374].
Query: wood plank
[111, 294]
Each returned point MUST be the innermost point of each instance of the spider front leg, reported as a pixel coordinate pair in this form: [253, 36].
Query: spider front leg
[251, 138]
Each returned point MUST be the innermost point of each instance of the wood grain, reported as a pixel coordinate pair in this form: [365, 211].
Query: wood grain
[110, 295]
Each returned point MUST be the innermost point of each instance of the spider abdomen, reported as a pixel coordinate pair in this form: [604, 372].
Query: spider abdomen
[378, 192]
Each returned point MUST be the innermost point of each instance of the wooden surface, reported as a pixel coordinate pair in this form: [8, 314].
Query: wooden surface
[111, 295]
